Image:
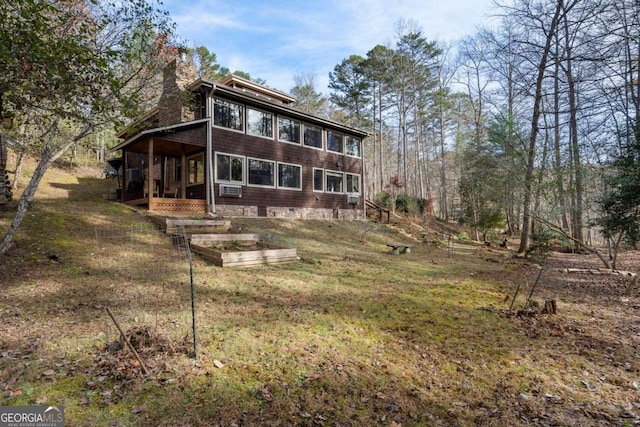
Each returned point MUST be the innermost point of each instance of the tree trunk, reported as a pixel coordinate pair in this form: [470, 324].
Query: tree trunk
[3, 160]
[381, 165]
[48, 157]
[24, 204]
[444, 208]
[573, 132]
[556, 147]
[531, 152]
[374, 165]
[542, 170]
[19, 161]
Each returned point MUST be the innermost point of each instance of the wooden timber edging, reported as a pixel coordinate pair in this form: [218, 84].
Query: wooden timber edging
[192, 226]
[274, 255]
[199, 239]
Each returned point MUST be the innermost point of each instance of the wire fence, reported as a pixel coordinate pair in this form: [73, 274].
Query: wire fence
[147, 277]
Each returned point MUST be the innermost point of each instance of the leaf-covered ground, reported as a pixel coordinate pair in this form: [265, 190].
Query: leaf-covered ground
[348, 336]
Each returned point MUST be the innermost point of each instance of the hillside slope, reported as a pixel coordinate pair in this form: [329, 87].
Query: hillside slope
[349, 335]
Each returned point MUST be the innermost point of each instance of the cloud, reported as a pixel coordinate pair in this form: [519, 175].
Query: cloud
[275, 39]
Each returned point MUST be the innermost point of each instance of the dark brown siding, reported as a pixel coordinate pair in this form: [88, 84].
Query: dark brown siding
[250, 146]
[196, 192]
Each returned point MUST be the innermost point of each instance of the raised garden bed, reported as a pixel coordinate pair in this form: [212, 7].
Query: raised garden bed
[192, 226]
[244, 253]
[205, 239]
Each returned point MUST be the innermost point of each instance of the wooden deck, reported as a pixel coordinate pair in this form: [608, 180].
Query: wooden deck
[165, 204]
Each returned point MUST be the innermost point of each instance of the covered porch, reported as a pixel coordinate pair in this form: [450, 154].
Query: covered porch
[165, 169]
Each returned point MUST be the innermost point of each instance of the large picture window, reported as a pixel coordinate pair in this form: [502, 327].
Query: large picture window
[289, 176]
[259, 123]
[228, 114]
[261, 173]
[229, 168]
[352, 146]
[195, 169]
[318, 179]
[288, 130]
[353, 183]
[334, 141]
[312, 136]
[335, 182]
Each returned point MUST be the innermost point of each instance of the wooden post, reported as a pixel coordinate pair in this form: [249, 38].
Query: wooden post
[183, 176]
[150, 180]
[550, 306]
[126, 340]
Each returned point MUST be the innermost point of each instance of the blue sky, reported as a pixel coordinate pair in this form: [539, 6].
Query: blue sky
[277, 39]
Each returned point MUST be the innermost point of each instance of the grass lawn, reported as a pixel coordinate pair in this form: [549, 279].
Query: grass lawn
[350, 335]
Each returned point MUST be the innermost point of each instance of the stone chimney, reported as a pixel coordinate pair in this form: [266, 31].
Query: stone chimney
[174, 100]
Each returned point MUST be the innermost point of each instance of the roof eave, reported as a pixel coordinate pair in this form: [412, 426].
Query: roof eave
[284, 108]
[149, 132]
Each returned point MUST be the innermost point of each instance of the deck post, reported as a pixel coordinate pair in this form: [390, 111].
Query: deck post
[150, 180]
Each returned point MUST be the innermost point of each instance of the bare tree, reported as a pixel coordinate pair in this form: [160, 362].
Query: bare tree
[549, 29]
[308, 99]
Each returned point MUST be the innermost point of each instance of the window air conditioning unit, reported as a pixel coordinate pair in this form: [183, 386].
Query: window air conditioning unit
[353, 200]
[231, 190]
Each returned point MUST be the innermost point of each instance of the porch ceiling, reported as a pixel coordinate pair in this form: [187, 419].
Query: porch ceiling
[163, 147]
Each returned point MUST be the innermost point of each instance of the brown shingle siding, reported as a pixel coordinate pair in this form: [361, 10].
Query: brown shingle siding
[226, 141]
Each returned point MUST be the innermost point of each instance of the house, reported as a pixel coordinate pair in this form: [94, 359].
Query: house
[237, 148]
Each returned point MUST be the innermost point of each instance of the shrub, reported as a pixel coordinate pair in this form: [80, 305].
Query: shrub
[542, 241]
[410, 205]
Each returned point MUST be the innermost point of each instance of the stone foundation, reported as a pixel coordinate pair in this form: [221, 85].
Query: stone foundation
[300, 213]
[231, 210]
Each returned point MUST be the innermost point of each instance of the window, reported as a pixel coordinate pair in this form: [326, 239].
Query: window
[229, 168]
[261, 173]
[334, 141]
[318, 179]
[195, 169]
[259, 123]
[289, 176]
[288, 130]
[353, 183]
[228, 114]
[334, 182]
[313, 136]
[352, 146]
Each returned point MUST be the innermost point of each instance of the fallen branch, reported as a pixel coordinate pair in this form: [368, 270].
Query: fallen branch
[598, 271]
[126, 340]
[584, 245]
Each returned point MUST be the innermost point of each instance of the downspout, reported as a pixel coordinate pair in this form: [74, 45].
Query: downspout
[210, 190]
